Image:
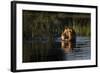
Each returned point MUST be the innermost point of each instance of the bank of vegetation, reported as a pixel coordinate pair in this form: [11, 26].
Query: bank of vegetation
[52, 24]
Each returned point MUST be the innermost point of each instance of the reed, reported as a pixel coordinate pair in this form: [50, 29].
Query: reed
[52, 24]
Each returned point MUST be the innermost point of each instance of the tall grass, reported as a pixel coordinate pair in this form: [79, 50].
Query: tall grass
[50, 24]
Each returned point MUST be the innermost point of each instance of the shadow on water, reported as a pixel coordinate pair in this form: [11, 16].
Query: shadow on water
[41, 52]
[56, 50]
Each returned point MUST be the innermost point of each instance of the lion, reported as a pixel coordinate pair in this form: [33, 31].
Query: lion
[68, 38]
[68, 34]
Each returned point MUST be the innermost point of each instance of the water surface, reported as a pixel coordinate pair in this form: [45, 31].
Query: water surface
[41, 50]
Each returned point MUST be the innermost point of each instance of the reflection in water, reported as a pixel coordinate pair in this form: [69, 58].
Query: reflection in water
[67, 46]
[41, 52]
[56, 50]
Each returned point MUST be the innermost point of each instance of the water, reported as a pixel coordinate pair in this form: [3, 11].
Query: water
[56, 50]
[82, 51]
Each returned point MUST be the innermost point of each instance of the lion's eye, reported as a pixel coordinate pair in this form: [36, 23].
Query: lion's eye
[70, 31]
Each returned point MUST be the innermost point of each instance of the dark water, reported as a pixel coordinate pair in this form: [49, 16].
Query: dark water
[56, 50]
